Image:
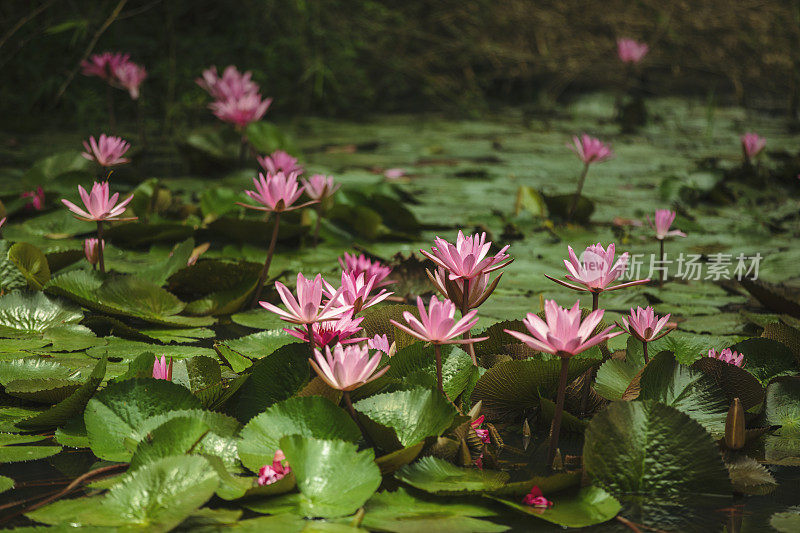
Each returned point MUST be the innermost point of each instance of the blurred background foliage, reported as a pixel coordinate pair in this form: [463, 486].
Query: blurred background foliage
[346, 57]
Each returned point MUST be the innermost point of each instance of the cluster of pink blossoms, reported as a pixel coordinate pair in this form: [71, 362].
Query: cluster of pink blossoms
[117, 70]
[327, 319]
[237, 98]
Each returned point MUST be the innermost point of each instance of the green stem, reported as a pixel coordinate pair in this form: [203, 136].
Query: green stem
[354, 416]
[437, 350]
[265, 271]
[310, 330]
[555, 428]
[112, 121]
[100, 254]
[581, 181]
[316, 227]
[464, 311]
[660, 270]
[595, 300]
[644, 348]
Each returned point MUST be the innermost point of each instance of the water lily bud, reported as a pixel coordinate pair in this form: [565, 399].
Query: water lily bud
[734, 426]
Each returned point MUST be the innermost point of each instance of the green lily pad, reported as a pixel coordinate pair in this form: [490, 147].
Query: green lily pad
[613, 378]
[17, 454]
[416, 365]
[156, 497]
[6, 483]
[399, 511]
[124, 296]
[184, 435]
[440, 477]
[22, 313]
[35, 368]
[783, 408]
[272, 379]
[646, 447]
[116, 415]
[735, 381]
[413, 414]
[786, 521]
[585, 507]
[259, 319]
[690, 391]
[261, 344]
[766, 358]
[324, 492]
[68, 407]
[32, 263]
[512, 387]
[311, 416]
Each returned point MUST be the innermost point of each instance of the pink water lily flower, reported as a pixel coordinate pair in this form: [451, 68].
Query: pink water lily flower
[162, 370]
[129, 76]
[347, 368]
[644, 324]
[319, 187]
[596, 270]
[242, 110]
[280, 161]
[232, 84]
[468, 258]
[103, 65]
[279, 469]
[341, 331]
[728, 356]
[562, 333]
[535, 498]
[355, 292]
[590, 149]
[361, 264]
[482, 433]
[663, 221]
[107, 151]
[37, 199]
[276, 193]
[91, 251]
[630, 51]
[381, 343]
[479, 289]
[752, 144]
[438, 325]
[394, 173]
[99, 207]
[307, 308]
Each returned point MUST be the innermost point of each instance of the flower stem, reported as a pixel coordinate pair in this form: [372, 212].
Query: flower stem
[661, 271]
[100, 255]
[112, 121]
[316, 227]
[265, 271]
[577, 196]
[243, 151]
[464, 311]
[354, 416]
[153, 202]
[437, 350]
[589, 375]
[310, 330]
[555, 428]
[140, 124]
[644, 348]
